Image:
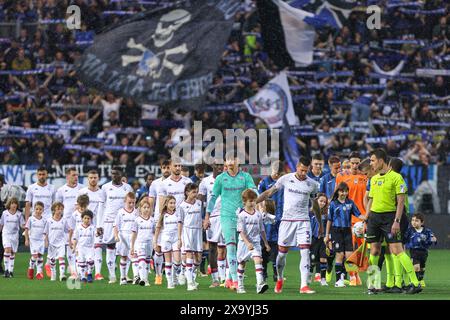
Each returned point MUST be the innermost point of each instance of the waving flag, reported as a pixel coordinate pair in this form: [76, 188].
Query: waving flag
[335, 12]
[288, 33]
[164, 57]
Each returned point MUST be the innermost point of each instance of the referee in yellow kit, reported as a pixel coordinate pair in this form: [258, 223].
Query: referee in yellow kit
[386, 203]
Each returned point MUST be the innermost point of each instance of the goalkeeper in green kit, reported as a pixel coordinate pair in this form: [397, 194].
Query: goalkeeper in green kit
[229, 185]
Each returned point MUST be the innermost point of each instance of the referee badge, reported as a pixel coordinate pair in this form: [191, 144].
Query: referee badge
[380, 183]
[402, 188]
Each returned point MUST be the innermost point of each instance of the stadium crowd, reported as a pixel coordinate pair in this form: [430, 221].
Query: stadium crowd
[358, 75]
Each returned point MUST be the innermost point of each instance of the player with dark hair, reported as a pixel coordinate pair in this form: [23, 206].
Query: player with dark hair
[295, 227]
[386, 205]
[418, 241]
[317, 164]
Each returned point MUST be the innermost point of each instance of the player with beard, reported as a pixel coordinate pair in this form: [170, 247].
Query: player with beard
[158, 257]
[97, 198]
[67, 195]
[217, 249]
[174, 186]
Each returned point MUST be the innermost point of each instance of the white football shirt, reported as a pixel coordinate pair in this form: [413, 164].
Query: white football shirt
[85, 236]
[190, 214]
[296, 196]
[125, 221]
[11, 222]
[96, 202]
[145, 229]
[68, 196]
[115, 199]
[56, 231]
[250, 224]
[36, 228]
[45, 194]
[205, 188]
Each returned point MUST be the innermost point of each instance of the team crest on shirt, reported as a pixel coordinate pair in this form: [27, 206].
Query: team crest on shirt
[307, 184]
[355, 181]
[291, 181]
[380, 183]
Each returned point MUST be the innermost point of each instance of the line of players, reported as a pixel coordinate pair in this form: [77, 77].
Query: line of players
[112, 209]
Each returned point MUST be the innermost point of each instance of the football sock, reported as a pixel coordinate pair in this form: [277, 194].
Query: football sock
[330, 264]
[111, 262]
[281, 263]
[6, 261]
[232, 261]
[373, 260]
[135, 266]
[40, 264]
[168, 270]
[81, 269]
[338, 268]
[53, 267]
[323, 270]
[32, 263]
[407, 264]
[158, 258]
[143, 274]
[240, 272]
[397, 270]
[194, 271]
[259, 273]
[221, 264]
[304, 270]
[190, 270]
[123, 268]
[90, 267]
[62, 267]
[391, 272]
[98, 259]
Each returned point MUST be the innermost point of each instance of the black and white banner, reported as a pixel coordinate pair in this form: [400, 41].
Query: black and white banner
[165, 57]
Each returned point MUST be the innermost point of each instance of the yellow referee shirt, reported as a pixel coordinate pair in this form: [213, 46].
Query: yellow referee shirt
[384, 190]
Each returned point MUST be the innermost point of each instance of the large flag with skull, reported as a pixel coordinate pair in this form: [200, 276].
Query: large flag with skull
[166, 56]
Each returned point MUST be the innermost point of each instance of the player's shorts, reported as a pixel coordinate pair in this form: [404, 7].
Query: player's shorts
[143, 249]
[214, 232]
[243, 254]
[85, 253]
[10, 241]
[229, 229]
[419, 257]
[56, 252]
[318, 249]
[169, 242]
[124, 245]
[192, 240]
[379, 225]
[294, 234]
[37, 246]
[342, 239]
[108, 232]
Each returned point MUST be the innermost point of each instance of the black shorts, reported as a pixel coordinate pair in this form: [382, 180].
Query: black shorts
[419, 257]
[318, 250]
[342, 239]
[379, 226]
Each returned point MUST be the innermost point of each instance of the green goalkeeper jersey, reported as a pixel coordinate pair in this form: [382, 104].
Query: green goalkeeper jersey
[230, 189]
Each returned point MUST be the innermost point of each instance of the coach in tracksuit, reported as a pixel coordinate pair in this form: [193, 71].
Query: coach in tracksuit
[272, 229]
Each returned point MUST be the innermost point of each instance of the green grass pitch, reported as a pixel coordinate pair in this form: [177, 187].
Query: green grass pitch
[436, 277]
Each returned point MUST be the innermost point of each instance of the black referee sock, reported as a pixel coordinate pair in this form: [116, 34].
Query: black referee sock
[330, 264]
[323, 270]
[338, 268]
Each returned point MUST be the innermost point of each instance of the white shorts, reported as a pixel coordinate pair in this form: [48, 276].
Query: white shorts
[294, 233]
[37, 246]
[192, 240]
[108, 232]
[124, 245]
[85, 253]
[10, 241]
[169, 242]
[143, 249]
[55, 252]
[243, 254]
[214, 232]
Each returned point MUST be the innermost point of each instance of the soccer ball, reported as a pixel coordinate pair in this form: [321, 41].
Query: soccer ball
[358, 229]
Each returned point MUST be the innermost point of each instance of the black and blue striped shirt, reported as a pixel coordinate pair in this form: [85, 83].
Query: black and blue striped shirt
[340, 213]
